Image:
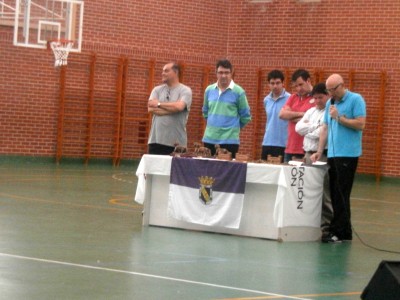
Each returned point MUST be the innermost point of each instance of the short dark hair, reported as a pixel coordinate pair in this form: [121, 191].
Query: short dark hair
[300, 73]
[223, 63]
[276, 74]
[319, 88]
[176, 67]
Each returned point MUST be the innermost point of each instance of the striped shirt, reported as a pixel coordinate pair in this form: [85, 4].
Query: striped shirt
[226, 113]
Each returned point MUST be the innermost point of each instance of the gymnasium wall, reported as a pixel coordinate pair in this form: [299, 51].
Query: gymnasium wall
[324, 37]
[328, 36]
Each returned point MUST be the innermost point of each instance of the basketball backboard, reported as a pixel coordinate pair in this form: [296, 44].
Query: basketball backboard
[39, 21]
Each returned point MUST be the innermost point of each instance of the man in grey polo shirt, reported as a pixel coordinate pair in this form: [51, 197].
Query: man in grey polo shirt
[169, 104]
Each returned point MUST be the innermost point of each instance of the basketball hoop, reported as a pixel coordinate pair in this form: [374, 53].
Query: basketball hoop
[61, 50]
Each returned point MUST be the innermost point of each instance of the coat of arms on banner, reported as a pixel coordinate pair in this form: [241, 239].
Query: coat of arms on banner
[205, 190]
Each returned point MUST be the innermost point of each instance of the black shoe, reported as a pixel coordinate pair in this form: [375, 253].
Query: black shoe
[325, 233]
[345, 237]
[330, 238]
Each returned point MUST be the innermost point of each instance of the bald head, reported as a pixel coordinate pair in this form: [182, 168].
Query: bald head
[335, 86]
[334, 80]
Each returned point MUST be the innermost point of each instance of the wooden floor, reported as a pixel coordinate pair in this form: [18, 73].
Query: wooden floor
[72, 231]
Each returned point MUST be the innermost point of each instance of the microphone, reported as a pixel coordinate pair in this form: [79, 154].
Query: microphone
[332, 103]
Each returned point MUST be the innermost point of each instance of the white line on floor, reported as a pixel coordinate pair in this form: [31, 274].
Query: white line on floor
[146, 275]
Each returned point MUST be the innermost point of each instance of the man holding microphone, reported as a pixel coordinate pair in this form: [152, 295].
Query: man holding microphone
[342, 127]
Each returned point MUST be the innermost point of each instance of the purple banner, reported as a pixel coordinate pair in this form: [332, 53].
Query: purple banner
[224, 176]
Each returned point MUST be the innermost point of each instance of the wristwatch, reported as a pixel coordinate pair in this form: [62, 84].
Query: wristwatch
[158, 104]
[338, 118]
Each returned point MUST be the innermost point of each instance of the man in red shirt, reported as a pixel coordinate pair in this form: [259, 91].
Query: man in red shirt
[293, 111]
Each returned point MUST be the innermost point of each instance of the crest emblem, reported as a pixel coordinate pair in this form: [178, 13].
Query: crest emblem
[205, 190]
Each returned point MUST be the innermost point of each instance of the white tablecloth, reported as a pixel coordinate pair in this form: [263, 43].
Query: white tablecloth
[298, 197]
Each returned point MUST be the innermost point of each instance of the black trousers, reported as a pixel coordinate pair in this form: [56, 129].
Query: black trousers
[341, 178]
[232, 148]
[273, 151]
[160, 149]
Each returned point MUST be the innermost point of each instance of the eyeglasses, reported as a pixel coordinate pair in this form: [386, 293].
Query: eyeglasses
[223, 72]
[334, 89]
[168, 94]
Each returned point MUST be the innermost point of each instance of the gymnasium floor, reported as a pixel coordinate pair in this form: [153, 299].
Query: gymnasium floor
[72, 231]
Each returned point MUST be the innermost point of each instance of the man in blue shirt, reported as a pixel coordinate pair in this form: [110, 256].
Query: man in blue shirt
[275, 136]
[342, 128]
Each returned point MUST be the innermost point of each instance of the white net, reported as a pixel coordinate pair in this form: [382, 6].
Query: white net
[61, 50]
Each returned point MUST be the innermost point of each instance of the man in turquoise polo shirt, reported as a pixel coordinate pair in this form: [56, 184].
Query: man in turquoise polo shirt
[344, 121]
[225, 109]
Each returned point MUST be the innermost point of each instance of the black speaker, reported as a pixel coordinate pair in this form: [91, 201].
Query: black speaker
[385, 284]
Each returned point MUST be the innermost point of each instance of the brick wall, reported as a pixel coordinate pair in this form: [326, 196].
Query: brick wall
[331, 35]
